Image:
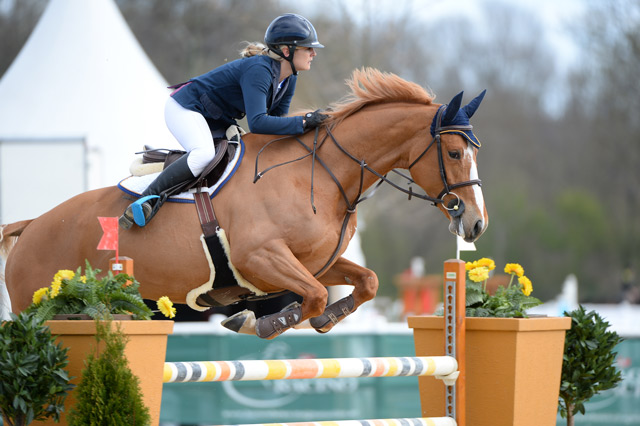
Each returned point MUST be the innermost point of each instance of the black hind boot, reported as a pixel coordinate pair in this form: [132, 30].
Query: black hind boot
[173, 176]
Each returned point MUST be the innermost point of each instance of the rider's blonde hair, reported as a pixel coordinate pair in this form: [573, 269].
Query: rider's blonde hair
[257, 48]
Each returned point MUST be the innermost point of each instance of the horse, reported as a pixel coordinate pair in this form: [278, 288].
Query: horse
[286, 228]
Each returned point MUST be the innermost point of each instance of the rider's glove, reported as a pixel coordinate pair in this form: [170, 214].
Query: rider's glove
[313, 119]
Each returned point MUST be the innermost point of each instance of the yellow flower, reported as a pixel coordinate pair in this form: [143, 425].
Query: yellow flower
[527, 287]
[514, 268]
[470, 265]
[56, 284]
[39, 294]
[166, 307]
[55, 288]
[479, 274]
[487, 263]
[63, 274]
[83, 279]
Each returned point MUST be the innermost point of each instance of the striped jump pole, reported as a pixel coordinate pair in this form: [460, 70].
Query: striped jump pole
[222, 371]
[420, 421]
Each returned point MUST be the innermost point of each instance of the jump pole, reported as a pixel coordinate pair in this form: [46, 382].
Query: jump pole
[286, 369]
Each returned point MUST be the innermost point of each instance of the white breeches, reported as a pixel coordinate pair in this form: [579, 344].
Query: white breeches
[192, 131]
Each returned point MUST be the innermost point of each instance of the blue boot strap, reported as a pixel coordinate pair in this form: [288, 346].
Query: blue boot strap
[138, 213]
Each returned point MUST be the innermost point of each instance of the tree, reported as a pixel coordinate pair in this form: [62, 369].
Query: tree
[109, 393]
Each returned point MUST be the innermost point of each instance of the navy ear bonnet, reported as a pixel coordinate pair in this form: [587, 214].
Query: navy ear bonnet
[455, 116]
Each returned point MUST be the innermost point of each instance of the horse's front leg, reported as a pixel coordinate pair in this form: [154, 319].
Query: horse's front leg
[365, 283]
[273, 267]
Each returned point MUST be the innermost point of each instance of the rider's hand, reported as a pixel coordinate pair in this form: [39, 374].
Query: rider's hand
[313, 119]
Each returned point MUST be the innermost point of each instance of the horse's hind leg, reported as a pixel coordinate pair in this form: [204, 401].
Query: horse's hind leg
[365, 283]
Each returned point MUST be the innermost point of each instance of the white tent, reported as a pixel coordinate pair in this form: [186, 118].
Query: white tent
[78, 101]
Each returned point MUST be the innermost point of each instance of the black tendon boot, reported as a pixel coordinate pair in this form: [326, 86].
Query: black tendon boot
[175, 174]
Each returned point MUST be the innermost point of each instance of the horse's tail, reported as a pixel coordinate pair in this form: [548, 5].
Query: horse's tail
[8, 237]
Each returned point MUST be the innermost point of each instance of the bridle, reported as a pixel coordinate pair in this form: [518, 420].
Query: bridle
[447, 188]
[454, 211]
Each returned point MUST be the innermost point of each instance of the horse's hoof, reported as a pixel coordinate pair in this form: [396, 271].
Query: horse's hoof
[270, 326]
[333, 314]
[243, 322]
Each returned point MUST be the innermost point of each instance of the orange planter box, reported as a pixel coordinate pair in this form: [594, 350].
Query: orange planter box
[146, 350]
[513, 369]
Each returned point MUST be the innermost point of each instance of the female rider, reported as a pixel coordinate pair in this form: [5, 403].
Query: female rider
[260, 85]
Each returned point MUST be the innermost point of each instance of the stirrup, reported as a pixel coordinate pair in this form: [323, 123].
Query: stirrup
[137, 212]
[142, 210]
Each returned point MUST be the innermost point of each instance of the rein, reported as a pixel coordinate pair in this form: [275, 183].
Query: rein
[351, 206]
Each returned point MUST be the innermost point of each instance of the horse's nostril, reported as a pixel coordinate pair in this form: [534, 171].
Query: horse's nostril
[477, 228]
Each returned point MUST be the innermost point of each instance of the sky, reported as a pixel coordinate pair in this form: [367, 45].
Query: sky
[554, 14]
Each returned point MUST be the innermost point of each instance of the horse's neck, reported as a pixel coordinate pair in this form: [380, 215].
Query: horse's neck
[382, 137]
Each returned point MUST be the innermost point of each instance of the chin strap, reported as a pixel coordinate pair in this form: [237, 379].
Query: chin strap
[292, 49]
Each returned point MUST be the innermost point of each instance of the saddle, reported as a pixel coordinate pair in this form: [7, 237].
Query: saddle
[225, 151]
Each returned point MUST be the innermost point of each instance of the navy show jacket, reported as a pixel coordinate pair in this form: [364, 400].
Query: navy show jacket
[244, 86]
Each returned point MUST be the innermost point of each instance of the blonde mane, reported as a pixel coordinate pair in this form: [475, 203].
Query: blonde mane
[371, 86]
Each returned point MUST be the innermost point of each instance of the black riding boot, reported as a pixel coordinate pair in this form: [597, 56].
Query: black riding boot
[175, 174]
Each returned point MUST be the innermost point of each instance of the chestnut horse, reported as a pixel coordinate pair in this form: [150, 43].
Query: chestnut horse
[280, 237]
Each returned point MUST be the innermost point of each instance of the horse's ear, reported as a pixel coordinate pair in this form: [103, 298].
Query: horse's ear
[452, 108]
[472, 106]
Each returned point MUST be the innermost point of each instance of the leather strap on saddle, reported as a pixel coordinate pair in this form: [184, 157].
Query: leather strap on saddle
[207, 216]
[221, 150]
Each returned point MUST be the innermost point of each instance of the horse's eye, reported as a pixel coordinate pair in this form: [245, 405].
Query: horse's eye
[454, 155]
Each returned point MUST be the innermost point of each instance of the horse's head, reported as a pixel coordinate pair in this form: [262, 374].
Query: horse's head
[453, 150]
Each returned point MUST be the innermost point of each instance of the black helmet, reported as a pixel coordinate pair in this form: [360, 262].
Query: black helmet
[291, 30]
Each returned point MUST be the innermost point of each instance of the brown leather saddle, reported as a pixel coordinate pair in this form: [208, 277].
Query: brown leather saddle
[225, 152]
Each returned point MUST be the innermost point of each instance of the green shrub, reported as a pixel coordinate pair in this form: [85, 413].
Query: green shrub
[109, 393]
[33, 382]
[589, 362]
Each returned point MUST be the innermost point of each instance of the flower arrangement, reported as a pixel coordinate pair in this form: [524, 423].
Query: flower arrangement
[511, 301]
[100, 298]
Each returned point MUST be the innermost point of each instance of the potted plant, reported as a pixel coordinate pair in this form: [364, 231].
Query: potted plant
[73, 295]
[33, 380]
[589, 362]
[513, 362]
[101, 298]
[511, 301]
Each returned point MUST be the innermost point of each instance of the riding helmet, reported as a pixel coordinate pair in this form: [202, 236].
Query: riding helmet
[291, 30]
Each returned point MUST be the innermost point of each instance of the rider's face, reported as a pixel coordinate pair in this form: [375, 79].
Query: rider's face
[302, 57]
